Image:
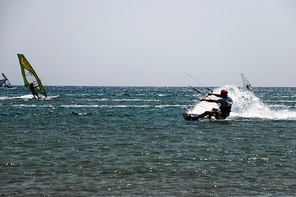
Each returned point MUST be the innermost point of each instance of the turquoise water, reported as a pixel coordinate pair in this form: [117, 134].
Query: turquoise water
[133, 141]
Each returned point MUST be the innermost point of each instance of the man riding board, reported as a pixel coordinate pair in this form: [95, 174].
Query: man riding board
[225, 106]
[33, 91]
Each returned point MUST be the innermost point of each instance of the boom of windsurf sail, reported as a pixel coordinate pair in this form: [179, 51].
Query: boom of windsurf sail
[30, 76]
[5, 82]
[246, 82]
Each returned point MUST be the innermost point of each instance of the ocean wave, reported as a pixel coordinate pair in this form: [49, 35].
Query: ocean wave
[33, 106]
[79, 106]
[5, 98]
[136, 100]
[82, 113]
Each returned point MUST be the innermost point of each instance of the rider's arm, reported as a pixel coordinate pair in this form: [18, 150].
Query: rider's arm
[209, 100]
[218, 95]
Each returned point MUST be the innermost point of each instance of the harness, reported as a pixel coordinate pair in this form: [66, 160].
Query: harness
[225, 111]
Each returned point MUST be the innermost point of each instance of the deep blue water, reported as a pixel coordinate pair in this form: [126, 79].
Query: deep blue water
[133, 141]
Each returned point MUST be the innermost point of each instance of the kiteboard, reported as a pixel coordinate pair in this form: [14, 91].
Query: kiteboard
[192, 117]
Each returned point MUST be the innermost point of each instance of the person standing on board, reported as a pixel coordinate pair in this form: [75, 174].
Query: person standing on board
[225, 106]
[34, 93]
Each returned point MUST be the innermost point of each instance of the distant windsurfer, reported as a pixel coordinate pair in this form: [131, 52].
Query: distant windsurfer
[34, 93]
[225, 106]
[2, 82]
[246, 82]
[249, 87]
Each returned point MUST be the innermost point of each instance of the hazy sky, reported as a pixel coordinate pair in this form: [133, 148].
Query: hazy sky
[150, 42]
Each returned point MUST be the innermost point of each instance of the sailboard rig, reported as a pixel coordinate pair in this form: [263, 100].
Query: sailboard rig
[5, 82]
[30, 76]
[246, 83]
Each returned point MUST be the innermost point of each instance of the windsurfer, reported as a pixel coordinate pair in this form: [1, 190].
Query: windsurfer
[34, 93]
[249, 87]
[2, 82]
[225, 106]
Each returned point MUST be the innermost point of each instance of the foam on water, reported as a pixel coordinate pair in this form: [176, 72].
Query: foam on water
[247, 105]
[4, 98]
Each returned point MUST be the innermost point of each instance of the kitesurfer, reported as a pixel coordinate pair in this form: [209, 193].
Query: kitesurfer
[34, 93]
[225, 106]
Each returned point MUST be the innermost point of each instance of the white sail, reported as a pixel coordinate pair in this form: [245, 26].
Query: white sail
[246, 83]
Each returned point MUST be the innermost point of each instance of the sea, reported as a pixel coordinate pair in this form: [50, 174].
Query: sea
[133, 141]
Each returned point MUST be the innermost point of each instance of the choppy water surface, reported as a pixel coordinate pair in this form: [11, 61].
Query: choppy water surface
[133, 141]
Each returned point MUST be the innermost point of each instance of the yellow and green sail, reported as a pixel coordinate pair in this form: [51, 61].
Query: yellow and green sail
[30, 76]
